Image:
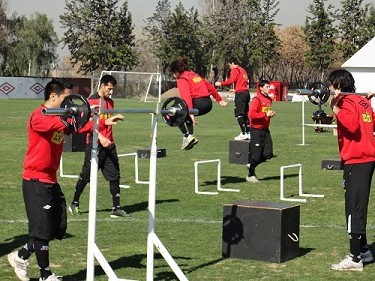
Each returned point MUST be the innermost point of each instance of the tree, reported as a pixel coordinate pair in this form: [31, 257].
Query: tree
[369, 23]
[352, 21]
[99, 36]
[32, 48]
[264, 49]
[176, 33]
[243, 29]
[320, 35]
[290, 63]
[155, 30]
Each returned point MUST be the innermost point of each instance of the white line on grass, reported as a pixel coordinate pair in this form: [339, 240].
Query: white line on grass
[176, 220]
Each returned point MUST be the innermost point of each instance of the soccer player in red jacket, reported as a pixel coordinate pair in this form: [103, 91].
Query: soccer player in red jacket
[107, 153]
[238, 77]
[260, 114]
[196, 92]
[44, 201]
[355, 129]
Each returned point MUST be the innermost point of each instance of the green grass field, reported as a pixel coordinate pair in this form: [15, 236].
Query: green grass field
[189, 225]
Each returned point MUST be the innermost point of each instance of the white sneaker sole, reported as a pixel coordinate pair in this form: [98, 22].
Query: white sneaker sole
[13, 264]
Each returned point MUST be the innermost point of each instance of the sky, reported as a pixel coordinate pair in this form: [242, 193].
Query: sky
[292, 12]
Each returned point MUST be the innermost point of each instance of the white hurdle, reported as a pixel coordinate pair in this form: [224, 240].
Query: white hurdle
[136, 176]
[219, 188]
[300, 191]
[62, 170]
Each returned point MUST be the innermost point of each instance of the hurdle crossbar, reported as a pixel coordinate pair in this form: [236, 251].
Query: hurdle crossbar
[219, 188]
[136, 175]
[300, 191]
[62, 170]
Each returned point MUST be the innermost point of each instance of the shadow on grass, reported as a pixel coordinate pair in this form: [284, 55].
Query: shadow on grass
[278, 177]
[17, 242]
[205, 265]
[304, 251]
[227, 180]
[13, 243]
[142, 206]
[135, 261]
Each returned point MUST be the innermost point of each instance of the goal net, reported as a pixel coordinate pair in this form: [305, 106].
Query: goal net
[143, 85]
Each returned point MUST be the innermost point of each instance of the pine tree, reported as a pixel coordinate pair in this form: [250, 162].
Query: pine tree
[320, 35]
[352, 20]
[99, 36]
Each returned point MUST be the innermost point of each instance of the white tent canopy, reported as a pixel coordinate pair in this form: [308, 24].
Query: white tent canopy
[362, 67]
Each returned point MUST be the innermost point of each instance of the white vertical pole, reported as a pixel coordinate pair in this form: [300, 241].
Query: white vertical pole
[92, 203]
[152, 191]
[303, 120]
[152, 201]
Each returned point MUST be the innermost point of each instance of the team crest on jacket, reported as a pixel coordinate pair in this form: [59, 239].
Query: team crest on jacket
[57, 137]
[366, 117]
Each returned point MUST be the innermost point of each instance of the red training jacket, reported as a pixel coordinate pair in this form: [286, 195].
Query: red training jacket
[45, 145]
[257, 112]
[355, 129]
[192, 86]
[108, 103]
[239, 77]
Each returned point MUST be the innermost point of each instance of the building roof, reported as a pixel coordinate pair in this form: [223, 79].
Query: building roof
[365, 57]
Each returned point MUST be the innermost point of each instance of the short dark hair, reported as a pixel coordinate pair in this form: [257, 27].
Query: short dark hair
[53, 86]
[179, 65]
[343, 80]
[263, 82]
[67, 84]
[106, 79]
[233, 60]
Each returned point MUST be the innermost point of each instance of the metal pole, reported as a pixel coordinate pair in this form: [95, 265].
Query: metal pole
[92, 202]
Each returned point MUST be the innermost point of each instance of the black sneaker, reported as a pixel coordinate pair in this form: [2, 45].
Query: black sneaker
[74, 209]
[119, 214]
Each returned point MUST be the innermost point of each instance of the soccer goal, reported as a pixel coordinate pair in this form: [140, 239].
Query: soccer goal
[142, 85]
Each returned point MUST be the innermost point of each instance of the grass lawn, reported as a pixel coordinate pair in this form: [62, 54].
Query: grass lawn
[189, 225]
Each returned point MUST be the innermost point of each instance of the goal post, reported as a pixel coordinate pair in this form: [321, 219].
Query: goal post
[144, 85]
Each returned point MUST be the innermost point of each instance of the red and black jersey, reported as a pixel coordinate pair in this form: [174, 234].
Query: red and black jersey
[239, 77]
[46, 139]
[258, 111]
[355, 129]
[191, 86]
[108, 103]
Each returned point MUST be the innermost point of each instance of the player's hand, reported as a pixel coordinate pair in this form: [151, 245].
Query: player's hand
[223, 103]
[112, 121]
[105, 142]
[195, 122]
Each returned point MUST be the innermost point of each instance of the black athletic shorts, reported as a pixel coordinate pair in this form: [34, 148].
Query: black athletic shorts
[357, 184]
[108, 163]
[204, 105]
[45, 208]
[241, 103]
[260, 146]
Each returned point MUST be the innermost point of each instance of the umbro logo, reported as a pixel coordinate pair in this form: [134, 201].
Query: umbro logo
[47, 207]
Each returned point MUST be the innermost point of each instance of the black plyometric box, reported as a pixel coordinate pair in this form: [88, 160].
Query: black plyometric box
[261, 231]
[74, 143]
[239, 151]
[145, 153]
[332, 164]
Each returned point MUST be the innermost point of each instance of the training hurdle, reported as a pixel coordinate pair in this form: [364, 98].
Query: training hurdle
[62, 171]
[333, 126]
[136, 176]
[300, 191]
[219, 188]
